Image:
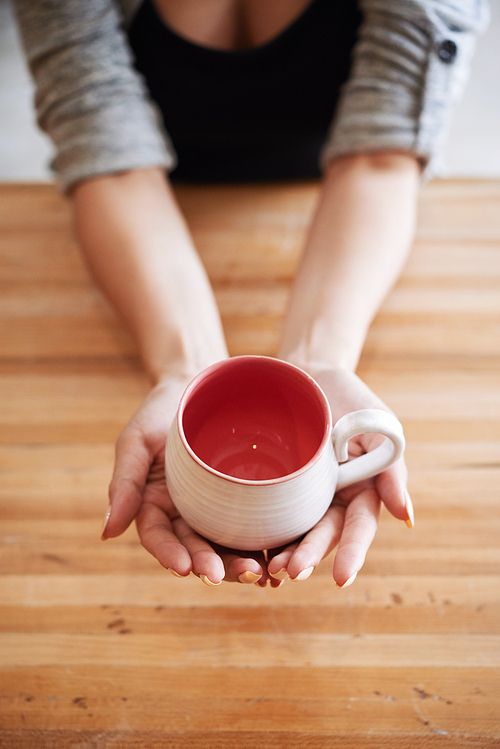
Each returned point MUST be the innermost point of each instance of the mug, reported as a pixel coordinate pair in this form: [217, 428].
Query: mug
[252, 459]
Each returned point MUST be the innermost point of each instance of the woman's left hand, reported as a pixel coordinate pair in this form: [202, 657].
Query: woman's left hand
[351, 520]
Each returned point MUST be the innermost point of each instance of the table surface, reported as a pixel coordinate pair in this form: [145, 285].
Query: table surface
[100, 647]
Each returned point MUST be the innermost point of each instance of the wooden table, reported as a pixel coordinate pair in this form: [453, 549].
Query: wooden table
[100, 647]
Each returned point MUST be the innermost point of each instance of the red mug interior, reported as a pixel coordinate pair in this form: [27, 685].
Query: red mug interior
[254, 418]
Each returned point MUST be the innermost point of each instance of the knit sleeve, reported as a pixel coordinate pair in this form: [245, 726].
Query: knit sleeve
[410, 65]
[88, 97]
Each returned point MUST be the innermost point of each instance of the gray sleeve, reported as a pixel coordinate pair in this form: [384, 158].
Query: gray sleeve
[410, 64]
[89, 99]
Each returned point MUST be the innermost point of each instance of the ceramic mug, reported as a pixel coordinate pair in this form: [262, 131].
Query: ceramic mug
[252, 458]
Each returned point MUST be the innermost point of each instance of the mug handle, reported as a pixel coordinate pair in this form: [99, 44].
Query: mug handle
[367, 421]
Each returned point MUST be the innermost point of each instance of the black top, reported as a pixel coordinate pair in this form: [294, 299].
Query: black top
[248, 115]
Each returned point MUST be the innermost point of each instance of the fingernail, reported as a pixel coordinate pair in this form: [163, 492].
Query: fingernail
[205, 579]
[303, 575]
[409, 509]
[104, 524]
[281, 575]
[174, 573]
[348, 582]
[248, 577]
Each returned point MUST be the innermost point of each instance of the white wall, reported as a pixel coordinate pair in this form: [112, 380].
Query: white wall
[24, 150]
[473, 146]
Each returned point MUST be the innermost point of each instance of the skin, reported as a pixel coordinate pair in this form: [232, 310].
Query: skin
[230, 24]
[139, 249]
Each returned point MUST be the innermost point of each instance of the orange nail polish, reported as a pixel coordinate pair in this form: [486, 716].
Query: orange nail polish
[282, 574]
[303, 575]
[174, 573]
[348, 582]
[248, 577]
[409, 509]
[205, 580]
[104, 524]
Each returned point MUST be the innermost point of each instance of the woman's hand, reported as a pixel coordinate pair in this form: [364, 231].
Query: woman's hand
[138, 491]
[357, 245]
[351, 520]
[137, 244]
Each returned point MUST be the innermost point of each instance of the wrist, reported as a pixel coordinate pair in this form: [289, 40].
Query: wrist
[317, 367]
[184, 371]
[183, 350]
[355, 250]
[324, 346]
[141, 253]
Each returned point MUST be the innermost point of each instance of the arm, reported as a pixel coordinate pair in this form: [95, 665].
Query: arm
[409, 66]
[89, 99]
[138, 247]
[357, 245]
[94, 106]
[139, 250]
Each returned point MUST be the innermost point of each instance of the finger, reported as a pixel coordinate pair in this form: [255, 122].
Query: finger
[247, 567]
[299, 560]
[391, 487]
[278, 561]
[157, 536]
[207, 564]
[242, 567]
[132, 463]
[267, 580]
[360, 526]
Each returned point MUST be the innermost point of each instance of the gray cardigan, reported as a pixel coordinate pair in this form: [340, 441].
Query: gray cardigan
[410, 64]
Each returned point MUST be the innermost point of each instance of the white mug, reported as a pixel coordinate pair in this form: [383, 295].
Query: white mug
[252, 459]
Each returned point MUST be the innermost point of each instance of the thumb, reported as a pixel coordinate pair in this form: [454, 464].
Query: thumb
[391, 487]
[132, 465]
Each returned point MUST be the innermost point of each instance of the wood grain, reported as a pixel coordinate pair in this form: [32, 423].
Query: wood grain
[101, 647]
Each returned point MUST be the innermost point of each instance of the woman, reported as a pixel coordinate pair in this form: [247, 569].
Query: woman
[245, 90]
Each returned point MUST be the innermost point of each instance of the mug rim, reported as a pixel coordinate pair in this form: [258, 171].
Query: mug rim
[327, 435]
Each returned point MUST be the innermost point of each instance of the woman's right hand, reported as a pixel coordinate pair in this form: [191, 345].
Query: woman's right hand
[138, 491]
[138, 247]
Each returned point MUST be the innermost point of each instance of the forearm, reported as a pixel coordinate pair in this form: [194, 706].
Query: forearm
[140, 252]
[356, 248]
